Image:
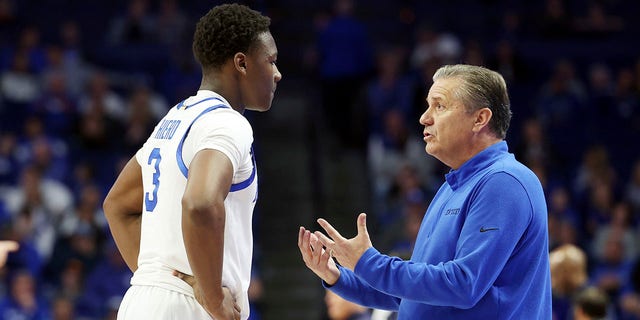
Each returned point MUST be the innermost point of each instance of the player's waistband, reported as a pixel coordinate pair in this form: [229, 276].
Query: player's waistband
[160, 276]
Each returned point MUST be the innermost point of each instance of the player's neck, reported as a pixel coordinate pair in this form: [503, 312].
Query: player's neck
[225, 87]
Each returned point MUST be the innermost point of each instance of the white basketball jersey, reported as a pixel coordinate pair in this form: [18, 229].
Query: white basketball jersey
[204, 121]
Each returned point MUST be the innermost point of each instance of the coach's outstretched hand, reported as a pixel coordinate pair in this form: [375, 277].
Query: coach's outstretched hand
[228, 308]
[318, 249]
[316, 258]
[346, 251]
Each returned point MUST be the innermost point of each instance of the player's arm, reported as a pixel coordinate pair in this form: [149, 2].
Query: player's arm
[123, 210]
[203, 221]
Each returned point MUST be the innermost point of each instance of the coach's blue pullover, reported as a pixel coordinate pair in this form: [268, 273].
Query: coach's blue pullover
[481, 252]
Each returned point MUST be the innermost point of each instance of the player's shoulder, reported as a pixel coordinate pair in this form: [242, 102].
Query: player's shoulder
[226, 116]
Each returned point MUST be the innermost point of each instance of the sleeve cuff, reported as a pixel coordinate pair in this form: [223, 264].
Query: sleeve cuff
[363, 261]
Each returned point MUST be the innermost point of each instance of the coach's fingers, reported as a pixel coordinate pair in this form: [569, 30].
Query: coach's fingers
[303, 241]
[316, 244]
[326, 242]
[362, 225]
[331, 231]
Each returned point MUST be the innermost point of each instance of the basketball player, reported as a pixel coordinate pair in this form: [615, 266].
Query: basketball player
[184, 202]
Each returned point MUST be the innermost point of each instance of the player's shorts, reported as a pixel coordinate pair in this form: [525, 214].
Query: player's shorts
[149, 302]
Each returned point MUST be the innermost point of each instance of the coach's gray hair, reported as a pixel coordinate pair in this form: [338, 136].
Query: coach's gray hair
[481, 88]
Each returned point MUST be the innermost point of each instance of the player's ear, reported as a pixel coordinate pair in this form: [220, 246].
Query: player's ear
[240, 62]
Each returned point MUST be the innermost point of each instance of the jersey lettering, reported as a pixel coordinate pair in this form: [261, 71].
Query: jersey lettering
[167, 129]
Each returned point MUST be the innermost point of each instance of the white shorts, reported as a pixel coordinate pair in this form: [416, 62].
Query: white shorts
[149, 302]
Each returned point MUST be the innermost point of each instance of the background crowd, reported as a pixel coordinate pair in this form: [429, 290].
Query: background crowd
[82, 83]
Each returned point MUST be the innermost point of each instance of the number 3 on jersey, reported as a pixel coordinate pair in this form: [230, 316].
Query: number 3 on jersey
[150, 201]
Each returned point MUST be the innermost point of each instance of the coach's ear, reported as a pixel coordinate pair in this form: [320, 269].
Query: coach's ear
[482, 118]
[240, 62]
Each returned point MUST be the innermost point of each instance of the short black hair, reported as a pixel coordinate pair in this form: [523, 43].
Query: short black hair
[226, 30]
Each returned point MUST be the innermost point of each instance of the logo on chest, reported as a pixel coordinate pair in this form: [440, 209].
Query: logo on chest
[452, 212]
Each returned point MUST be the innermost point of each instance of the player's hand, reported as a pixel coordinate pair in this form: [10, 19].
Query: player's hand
[346, 251]
[316, 258]
[228, 309]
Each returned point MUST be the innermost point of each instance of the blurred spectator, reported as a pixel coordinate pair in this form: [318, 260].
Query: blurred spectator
[19, 87]
[431, 44]
[597, 23]
[622, 226]
[171, 25]
[632, 191]
[599, 207]
[37, 205]
[394, 148]
[345, 63]
[29, 47]
[70, 282]
[535, 146]
[62, 308]
[102, 112]
[568, 276]
[407, 188]
[8, 162]
[555, 22]
[74, 257]
[594, 169]
[83, 175]
[473, 53]
[627, 117]
[561, 109]
[511, 27]
[630, 299]
[341, 309]
[100, 98]
[71, 61]
[7, 246]
[25, 258]
[626, 96]
[422, 83]
[46, 153]
[8, 21]
[108, 281]
[55, 106]
[610, 272]
[23, 300]
[601, 100]
[144, 111]
[135, 26]
[402, 234]
[564, 220]
[591, 304]
[88, 211]
[636, 73]
[509, 63]
[389, 91]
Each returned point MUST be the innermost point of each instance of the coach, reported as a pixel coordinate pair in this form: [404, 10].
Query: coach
[482, 248]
